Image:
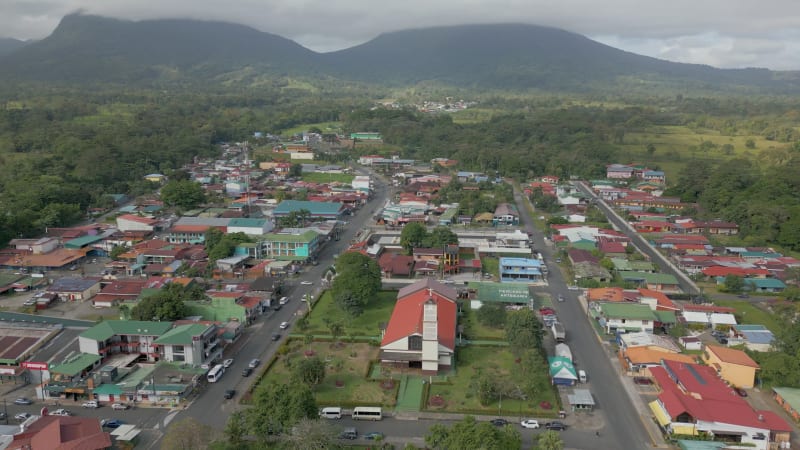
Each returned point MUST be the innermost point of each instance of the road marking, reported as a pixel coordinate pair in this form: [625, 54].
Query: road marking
[169, 418]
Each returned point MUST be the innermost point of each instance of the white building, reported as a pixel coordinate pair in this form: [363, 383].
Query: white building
[131, 222]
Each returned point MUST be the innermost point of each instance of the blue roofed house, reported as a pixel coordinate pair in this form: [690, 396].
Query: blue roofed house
[755, 337]
[520, 270]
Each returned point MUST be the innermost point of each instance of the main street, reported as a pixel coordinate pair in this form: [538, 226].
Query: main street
[623, 426]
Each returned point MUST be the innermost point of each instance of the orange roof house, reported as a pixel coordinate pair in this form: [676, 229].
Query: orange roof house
[422, 330]
[733, 366]
[611, 294]
[643, 357]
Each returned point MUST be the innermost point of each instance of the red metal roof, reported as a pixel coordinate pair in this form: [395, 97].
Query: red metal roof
[407, 318]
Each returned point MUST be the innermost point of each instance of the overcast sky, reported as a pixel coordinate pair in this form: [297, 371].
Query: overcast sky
[721, 33]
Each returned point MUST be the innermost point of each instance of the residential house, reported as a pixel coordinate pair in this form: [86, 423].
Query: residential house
[663, 282]
[520, 270]
[614, 317]
[118, 291]
[754, 337]
[111, 337]
[638, 360]
[421, 332]
[695, 401]
[619, 171]
[771, 285]
[396, 265]
[506, 214]
[734, 366]
[789, 399]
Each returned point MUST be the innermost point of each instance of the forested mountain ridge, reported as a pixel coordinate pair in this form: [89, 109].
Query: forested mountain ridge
[500, 56]
[96, 48]
[8, 45]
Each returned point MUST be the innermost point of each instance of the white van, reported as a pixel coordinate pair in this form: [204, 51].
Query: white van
[331, 413]
[283, 300]
[582, 376]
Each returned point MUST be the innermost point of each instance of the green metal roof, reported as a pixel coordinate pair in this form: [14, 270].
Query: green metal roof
[246, 222]
[765, 283]
[82, 241]
[75, 365]
[109, 328]
[650, 278]
[790, 395]
[623, 264]
[315, 208]
[182, 334]
[107, 389]
[631, 311]
[501, 292]
[666, 316]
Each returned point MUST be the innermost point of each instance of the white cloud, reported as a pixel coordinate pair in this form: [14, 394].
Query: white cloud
[722, 33]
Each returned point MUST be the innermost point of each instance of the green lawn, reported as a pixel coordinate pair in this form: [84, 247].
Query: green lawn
[458, 394]
[476, 331]
[347, 364]
[747, 312]
[315, 177]
[378, 311]
[491, 265]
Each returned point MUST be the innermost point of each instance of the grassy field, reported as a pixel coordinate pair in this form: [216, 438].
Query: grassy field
[474, 330]
[676, 145]
[315, 177]
[458, 395]
[379, 311]
[748, 313]
[326, 127]
[491, 265]
[346, 365]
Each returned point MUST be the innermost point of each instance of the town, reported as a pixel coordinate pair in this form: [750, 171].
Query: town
[396, 289]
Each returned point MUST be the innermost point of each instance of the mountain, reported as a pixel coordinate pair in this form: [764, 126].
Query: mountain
[517, 55]
[91, 48]
[86, 48]
[8, 45]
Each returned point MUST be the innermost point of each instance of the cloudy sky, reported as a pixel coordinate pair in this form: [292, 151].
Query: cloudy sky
[721, 33]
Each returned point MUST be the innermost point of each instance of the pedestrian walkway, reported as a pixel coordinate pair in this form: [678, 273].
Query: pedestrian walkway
[409, 395]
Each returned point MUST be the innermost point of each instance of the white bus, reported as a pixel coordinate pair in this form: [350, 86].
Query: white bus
[367, 413]
[215, 373]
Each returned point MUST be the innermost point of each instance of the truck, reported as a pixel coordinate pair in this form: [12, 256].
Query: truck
[564, 351]
[559, 332]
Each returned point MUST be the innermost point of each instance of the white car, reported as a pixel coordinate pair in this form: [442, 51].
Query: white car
[119, 406]
[284, 325]
[60, 412]
[306, 283]
[530, 423]
[227, 363]
[90, 404]
[22, 416]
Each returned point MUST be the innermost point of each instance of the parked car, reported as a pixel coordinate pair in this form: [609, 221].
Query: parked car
[230, 393]
[60, 412]
[284, 325]
[22, 416]
[740, 391]
[276, 336]
[306, 283]
[3, 416]
[110, 423]
[254, 363]
[530, 423]
[247, 371]
[374, 436]
[499, 422]
[23, 401]
[644, 381]
[555, 426]
[560, 298]
[119, 406]
[546, 311]
[349, 433]
[227, 363]
[90, 404]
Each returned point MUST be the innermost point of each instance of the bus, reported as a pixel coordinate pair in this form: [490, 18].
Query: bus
[367, 413]
[215, 373]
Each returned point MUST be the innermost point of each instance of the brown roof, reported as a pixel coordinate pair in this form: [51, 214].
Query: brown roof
[732, 356]
[396, 264]
[62, 433]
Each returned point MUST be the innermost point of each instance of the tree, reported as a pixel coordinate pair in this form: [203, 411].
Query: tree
[310, 370]
[167, 304]
[439, 237]
[183, 193]
[311, 434]
[413, 235]
[550, 440]
[357, 281]
[469, 433]
[188, 434]
[235, 429]
[117, 250]
[651, 149]
[296, 171]
[492, 315]
[335, 327]
[277, 407]
[523, 331]
[734, 283]
[750, 143]
[349, 302]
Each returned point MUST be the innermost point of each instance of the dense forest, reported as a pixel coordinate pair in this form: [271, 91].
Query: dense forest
[64, 150]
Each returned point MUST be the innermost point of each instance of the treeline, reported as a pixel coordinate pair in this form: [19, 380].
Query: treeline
[64, 150]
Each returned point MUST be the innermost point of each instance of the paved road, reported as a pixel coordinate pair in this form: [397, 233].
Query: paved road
[211, 408]
[623, 427]
[641, 243]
